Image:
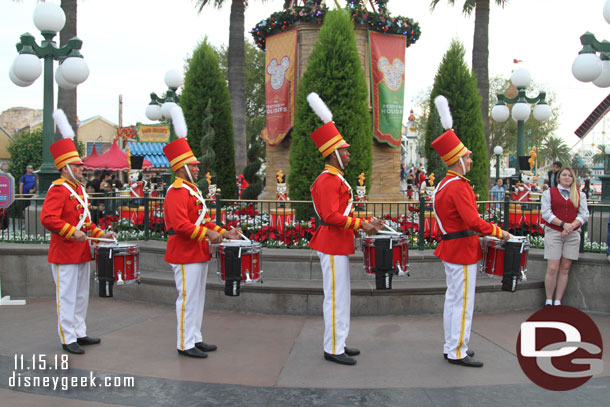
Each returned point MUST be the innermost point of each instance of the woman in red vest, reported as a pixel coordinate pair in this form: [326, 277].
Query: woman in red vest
[564, 209]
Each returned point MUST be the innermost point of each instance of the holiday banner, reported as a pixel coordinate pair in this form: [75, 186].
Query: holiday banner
[280, 85]
[387, 85]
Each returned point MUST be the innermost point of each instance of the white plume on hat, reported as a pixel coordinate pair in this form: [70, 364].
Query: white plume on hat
[319, 107]
[442, 105]
[62, 124]
[178, 121]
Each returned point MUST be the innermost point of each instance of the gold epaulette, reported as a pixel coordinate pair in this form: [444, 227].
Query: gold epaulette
[58, 181]
[178, 183]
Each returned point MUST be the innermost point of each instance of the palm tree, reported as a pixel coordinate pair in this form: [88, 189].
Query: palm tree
[555, 149]
[480, 49]
[66, 98]
[236, 75]
[600, 155]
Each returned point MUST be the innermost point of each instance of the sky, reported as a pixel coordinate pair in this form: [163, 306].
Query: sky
[129, 45]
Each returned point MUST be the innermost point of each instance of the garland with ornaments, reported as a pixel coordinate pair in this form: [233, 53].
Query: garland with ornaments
[312, 11]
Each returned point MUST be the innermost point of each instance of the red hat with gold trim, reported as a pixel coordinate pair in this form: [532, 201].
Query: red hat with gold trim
[327, 138]
[64, 151]
[178, 152]
[448, 145]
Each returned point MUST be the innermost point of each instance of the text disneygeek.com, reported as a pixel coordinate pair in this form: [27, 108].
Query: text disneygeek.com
[19, 380]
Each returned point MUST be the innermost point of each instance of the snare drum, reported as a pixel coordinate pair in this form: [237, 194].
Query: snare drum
[384, 257]
[238, 261]
[496, 261]
[116, 263]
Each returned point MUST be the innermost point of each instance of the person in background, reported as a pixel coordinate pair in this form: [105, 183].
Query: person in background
[498, 192]
[97, 206]
[553, 180]
[27, 185]
[587, 187]
[564, 209]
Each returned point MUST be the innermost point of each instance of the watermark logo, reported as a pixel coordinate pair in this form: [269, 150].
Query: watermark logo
[560, 348]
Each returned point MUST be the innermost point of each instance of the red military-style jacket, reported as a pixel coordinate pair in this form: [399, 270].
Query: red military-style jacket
[186, 243]
[456, 209]
[61, 213]
[331, 196]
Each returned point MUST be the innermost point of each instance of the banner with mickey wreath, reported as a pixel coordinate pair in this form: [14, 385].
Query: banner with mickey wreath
[387, 85]
[280, 92]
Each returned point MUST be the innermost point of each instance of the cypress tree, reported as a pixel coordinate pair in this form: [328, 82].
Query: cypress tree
[456, 82]
[255, 183]
[334, 72]
[203, 82]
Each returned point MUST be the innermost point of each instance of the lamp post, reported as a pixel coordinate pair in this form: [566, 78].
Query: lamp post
[588, 66]
[49, 18]
[605, 177]
[521, 107]
[498, 150]
[161, 107]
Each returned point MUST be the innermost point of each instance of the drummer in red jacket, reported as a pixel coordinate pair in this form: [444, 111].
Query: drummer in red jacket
[457, 217]
[65, 212]
[334, 238]
[188, 225]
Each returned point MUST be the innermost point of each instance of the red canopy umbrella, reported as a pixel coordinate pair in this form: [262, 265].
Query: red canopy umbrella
[92, 160]
[114, 159]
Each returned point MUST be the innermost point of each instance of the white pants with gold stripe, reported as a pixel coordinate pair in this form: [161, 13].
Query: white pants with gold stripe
[190, 283]
[459, 305]
[72, 300]
[337, 293]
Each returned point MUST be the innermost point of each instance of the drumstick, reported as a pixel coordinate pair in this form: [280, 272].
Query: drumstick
[386, 232]
[387, 227]
[102, 239]
[242, 235]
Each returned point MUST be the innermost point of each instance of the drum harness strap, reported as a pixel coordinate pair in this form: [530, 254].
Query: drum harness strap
[196, 194]
[84, 202]
[445, 235]
[348, 209]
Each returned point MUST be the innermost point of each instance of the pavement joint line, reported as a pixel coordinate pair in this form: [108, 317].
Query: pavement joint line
[493, 343]
[294, 341]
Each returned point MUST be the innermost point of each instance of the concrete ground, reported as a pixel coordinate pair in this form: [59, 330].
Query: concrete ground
[272, 360]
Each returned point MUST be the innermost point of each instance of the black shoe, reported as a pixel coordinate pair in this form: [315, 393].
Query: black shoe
[205, 347]
[341, 359]
[87, 340]
[73, 348]
[468, 353]
[351, 351]
[548, 305]
[467, 361]
[193, 353]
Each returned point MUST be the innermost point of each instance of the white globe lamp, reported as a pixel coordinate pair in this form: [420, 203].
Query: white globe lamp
[49, 17]
[153, 112]
[521, 111]
[500, 113]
